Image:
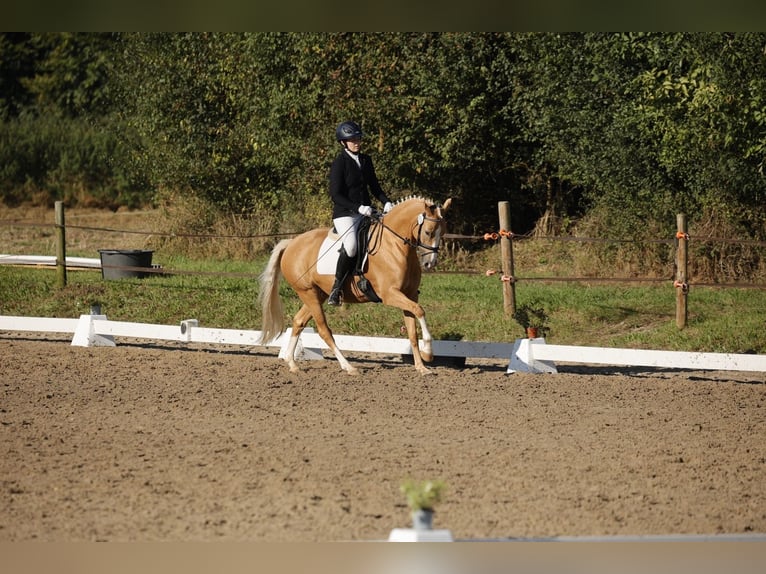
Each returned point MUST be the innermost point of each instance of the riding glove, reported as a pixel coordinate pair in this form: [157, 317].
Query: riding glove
[388, 207]
[365, 210]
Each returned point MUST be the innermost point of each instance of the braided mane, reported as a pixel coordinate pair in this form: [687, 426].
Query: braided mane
[429, 201]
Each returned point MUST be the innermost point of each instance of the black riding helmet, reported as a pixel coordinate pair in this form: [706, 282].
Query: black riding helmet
[348, 131]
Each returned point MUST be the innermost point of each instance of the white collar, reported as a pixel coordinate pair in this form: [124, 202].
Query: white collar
[355, 157]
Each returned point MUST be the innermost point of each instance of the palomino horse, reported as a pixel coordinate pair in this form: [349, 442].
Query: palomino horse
[411, 231]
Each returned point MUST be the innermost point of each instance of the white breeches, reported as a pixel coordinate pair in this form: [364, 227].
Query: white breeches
[347, 228]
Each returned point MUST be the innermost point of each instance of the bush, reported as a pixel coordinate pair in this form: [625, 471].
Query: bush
[47, 158]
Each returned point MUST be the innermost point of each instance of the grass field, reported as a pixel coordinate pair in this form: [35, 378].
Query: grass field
[460, 303]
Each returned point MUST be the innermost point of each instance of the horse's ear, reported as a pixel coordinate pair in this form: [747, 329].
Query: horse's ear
[446, 205]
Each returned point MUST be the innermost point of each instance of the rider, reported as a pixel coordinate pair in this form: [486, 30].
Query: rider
[352, 177]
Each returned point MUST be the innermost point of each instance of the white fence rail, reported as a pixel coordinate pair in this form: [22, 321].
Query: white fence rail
[49, 261]
[525, 355]
[533, 355]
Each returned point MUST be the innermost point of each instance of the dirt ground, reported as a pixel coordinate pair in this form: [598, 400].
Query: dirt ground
[167, 442]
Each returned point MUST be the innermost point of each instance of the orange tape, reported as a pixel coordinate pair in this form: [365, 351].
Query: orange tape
[682, 235]
[495, 235]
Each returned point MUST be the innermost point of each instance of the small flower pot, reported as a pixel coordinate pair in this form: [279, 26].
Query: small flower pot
[422, 519]
[532, 332]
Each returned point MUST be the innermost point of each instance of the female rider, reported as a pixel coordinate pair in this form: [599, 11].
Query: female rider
[352, 178]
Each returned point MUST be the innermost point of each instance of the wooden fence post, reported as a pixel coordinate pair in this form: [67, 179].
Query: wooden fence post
[681, 283]
[60, 245]
[506, 253]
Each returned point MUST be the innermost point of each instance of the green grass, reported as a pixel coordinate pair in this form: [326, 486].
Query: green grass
[467, 306]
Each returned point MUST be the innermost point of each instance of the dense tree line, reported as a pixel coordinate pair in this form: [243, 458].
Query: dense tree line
[619, 130]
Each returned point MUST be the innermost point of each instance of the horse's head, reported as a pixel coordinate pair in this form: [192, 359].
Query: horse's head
[420, 224]
[428, 231]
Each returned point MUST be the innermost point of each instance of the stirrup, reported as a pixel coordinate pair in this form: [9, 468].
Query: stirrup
[335, 297]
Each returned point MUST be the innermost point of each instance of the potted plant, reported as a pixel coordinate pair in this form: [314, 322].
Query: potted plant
[422, 496]
[533, 318]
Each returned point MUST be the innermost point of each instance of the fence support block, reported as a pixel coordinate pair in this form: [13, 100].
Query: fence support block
[85, 333]
[413, 535]
[523, 360]
[300, 351]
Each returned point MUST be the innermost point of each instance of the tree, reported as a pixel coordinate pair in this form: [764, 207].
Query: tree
[620, 128]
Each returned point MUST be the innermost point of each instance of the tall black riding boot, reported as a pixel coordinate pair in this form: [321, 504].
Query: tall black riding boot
[345, 263]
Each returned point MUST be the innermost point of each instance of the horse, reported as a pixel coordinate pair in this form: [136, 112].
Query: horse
[400, 242]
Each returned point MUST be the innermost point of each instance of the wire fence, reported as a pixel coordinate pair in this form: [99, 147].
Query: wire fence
[488, 237]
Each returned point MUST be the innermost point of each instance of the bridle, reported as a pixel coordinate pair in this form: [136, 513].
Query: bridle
[422, 218]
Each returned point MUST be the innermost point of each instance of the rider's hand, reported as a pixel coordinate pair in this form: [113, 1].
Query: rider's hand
[365, 210]
[388, 207]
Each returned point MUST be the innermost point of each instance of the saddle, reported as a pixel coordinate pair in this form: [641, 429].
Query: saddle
[360, 263]
[363, 242]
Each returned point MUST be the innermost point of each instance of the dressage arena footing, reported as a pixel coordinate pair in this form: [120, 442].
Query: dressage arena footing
[524, 355]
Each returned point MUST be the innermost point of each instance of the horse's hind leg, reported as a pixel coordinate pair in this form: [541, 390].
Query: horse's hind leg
[313, 308]
[323, 329]
[301, 319]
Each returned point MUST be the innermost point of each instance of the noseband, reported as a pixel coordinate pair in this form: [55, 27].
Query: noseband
[422, 218]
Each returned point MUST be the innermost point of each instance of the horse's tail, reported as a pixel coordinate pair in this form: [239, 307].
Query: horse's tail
[271, 303]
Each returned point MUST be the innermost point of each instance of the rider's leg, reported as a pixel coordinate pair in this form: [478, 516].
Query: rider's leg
[346, 228]
[344, 267]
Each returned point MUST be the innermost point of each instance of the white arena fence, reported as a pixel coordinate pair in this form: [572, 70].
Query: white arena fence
[524, 355]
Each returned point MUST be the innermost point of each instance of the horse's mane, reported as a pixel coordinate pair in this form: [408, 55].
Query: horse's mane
[429, 201]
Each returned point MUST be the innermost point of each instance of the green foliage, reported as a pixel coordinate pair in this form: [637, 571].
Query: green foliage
[58, 139]
[649, 124]
[17, 61]
[188, 100]
[49, 158]
[422, 495]
[629, 128]
[72, 72]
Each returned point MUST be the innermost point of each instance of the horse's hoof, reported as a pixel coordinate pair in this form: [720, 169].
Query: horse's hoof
[425, 371]
[352, 371]
[295, 369]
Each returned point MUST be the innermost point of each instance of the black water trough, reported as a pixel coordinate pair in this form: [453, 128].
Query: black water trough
[115, 263]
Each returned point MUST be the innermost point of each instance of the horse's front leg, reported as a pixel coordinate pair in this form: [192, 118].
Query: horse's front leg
[419, 354]
[427, 351]
[412, 334]
[413, 314]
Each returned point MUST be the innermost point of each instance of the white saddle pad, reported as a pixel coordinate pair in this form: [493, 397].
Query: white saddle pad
[327, 260]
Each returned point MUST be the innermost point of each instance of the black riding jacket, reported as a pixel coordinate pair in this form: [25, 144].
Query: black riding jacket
[350, 186]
